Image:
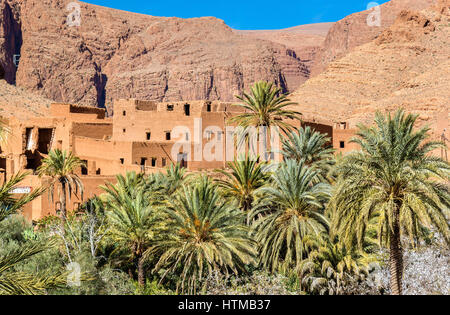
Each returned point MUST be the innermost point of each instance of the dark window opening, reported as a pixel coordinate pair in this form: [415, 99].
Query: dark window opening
[148, 135]
[208, 108]
[170, 108]
[124, 130]
[342, 144]
[153, 162]
[98, 172]
[44, 140]
[84, 169]
[182, 160]
[168, 136]
[124, 113]
[33, 160]
[143, 161]
[122, 161]
[187, 109]
[164, 162]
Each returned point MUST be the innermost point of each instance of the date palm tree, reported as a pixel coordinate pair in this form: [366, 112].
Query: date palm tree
[132, 217]
[265, 107]
[245, 178]
[204, 233]
[331, 267]
[60, 166]
[9, 203]
[313, 147]
[21, 283]
[11, 281]
[395, 180]
[292, 211]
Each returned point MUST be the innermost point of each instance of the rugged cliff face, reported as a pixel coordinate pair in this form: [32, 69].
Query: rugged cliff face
[115, 54]
[361, 28]
[10, 39]
[406, 66]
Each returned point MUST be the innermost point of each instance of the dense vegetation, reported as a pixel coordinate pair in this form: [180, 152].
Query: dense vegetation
[314, 224]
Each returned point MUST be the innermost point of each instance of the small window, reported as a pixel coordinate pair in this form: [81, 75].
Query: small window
[170, 108]
[122, 161]
[153, 162]
[148, 136]
[84, 170]
[143, 161]
[98, 172]
[208, 108]
[124, 130]
[187, 109]
[124, 113]
[168, 136]
[164, 162]
[342, 144]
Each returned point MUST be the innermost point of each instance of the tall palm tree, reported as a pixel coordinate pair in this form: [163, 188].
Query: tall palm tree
[204, 233]
[245, 178]
[396, 180]
[132, 218]
[293, 210]
[265, 108]
[60, 166]
[312, 147]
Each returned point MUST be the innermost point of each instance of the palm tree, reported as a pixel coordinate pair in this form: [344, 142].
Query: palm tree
[13, 282]
[312, 147]
[396, 180]
[293, 210]
[10, 204]
[267, 108]
[245, 178]
[20, 283]
[60, 166]
[331, 266]
[204, 233]
[132, 218]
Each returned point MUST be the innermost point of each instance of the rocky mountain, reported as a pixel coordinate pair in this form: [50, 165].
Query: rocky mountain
[20, 103]
[361, 28]
[116, 54]
[304, 40]
[406, 66]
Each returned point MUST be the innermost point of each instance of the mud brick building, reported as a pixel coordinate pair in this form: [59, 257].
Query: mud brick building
[142, 136]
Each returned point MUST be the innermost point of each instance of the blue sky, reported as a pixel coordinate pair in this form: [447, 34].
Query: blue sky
[247, 14]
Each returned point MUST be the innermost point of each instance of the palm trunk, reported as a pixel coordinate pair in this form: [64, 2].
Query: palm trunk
[396, 258]
[141, 272]
[63, 206]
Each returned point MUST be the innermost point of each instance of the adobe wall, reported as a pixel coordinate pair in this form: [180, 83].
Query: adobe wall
[93, 130]
[76, 112]
[341, 140]
[43, 206]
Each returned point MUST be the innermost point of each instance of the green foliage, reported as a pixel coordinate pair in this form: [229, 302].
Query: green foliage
[265, 107]
[204, 233]
[292, 209]
[394, 171]
[309, 146]
[245, 178]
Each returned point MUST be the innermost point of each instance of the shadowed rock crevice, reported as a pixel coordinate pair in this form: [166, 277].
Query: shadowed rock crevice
[10, 39]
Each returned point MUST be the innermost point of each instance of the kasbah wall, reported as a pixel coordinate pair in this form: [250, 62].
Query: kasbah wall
[141, 137]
